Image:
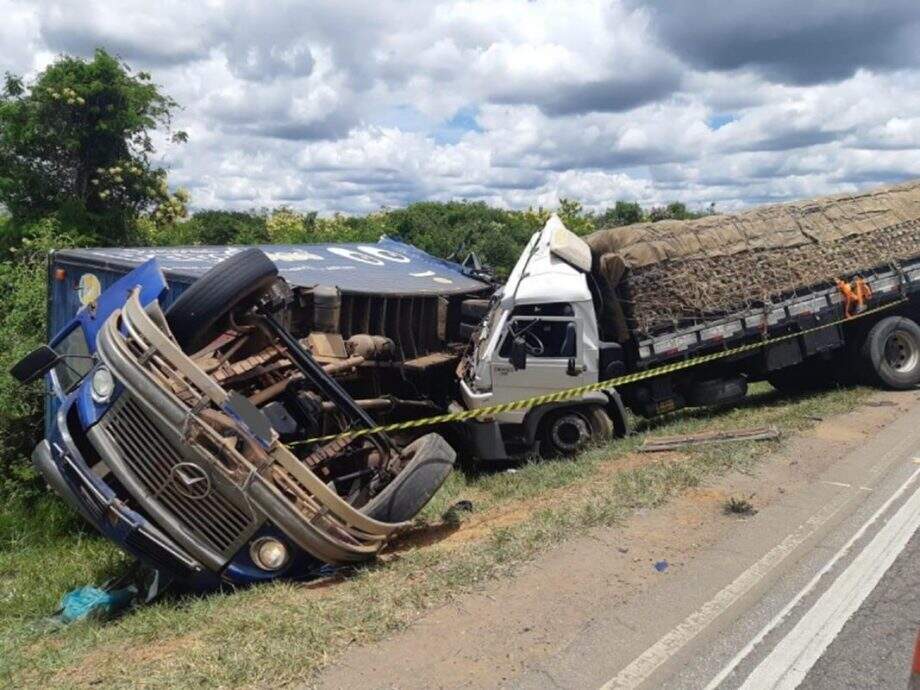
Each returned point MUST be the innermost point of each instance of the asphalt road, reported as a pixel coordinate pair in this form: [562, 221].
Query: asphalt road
[875, 647]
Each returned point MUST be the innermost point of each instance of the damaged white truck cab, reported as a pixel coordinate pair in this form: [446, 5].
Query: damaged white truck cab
[540, 336]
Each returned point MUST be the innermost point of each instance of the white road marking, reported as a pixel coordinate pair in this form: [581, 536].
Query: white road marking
[779, 617]
[797, 652]
[845, 486]
[646, 663]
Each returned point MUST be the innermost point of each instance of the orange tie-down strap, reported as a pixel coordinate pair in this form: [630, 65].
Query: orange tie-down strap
[855, 296]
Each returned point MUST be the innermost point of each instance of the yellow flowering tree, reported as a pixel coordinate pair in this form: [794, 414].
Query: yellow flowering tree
[77, 143]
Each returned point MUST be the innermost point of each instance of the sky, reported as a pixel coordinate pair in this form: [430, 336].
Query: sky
[331, 105]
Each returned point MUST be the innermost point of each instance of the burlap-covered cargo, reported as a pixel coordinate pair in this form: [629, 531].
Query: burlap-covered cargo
[677, 273]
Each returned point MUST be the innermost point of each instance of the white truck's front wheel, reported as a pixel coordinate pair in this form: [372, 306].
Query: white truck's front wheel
[569, 430]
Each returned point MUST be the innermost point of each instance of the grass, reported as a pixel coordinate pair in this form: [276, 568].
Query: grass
[738, 506]
[282, 633]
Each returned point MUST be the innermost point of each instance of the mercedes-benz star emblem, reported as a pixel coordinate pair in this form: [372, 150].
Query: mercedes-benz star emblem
[190, 481]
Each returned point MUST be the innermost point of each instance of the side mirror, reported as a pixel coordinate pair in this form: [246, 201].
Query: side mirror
[519, 354]
[35, 364]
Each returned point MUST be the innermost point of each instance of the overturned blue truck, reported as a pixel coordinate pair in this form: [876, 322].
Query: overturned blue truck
[184, 386]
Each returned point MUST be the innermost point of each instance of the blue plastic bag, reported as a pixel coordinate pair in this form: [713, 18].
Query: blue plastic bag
[93, 602]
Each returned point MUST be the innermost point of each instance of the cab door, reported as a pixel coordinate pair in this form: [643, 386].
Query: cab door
[554, 339]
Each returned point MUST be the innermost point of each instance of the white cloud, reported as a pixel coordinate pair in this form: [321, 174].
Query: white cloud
[348, 107]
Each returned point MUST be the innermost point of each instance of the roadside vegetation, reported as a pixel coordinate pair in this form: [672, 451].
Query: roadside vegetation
[284, 632]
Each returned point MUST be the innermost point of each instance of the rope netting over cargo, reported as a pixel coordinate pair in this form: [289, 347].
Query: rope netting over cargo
[658, 276]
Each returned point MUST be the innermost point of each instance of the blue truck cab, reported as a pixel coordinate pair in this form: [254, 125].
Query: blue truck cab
[80, 390]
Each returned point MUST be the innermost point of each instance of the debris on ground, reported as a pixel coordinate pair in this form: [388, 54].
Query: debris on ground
[880, 403]
[739, 506]
[661, 566]
[138, 585]
[454, 514]
[93, 602]
[665, 443]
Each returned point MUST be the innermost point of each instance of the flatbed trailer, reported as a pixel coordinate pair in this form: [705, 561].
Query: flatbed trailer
[830, 344]
[798, 313]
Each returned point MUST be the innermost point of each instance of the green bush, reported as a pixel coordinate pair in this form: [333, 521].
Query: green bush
[23, 305]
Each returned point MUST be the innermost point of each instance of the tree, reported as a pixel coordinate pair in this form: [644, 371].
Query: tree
[622, 213]
[228, 227]
[286, 226]
[678, 211]
[77, 143]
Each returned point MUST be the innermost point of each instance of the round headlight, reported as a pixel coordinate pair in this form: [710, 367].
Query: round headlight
[103, 385]
[269, 553]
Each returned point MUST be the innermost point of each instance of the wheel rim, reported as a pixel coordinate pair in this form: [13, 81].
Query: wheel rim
[570, 432]
[901, 352]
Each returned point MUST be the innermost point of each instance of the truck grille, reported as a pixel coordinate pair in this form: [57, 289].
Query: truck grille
[151, 458]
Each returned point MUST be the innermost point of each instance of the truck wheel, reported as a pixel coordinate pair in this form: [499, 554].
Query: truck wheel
[192, 318]
[723, 391]
[808, 377]
[568, 431]
[474, 310]
[891, 353]
[431, 459]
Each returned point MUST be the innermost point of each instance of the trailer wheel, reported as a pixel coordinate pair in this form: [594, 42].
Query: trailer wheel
[431, 459]
[810, 376]
[192, 318]
[891, 353]
[567, 431]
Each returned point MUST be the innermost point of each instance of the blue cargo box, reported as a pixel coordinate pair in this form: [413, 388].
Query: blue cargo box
[385, 268]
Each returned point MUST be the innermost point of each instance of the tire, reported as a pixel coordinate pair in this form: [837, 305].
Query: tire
[568, 431]
[891, 353]
[432, 460]
[193, 317]
[724, 391]
[474, 310]
[809, 376]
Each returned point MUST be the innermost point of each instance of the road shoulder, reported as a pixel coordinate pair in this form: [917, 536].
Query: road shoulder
[600, 597]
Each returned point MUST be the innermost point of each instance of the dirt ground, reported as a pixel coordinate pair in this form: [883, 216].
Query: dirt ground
[481, 639]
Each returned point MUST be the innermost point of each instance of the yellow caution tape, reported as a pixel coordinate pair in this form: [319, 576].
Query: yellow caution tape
[578, 391]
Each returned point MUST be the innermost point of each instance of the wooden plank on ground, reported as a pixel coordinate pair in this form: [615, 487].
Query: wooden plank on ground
[663, 443]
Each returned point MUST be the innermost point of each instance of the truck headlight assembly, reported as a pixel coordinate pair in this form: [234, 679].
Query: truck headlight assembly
[268, 553]
[102, 385]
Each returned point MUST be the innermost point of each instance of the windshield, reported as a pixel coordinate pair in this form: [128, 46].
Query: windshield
[77, 361]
